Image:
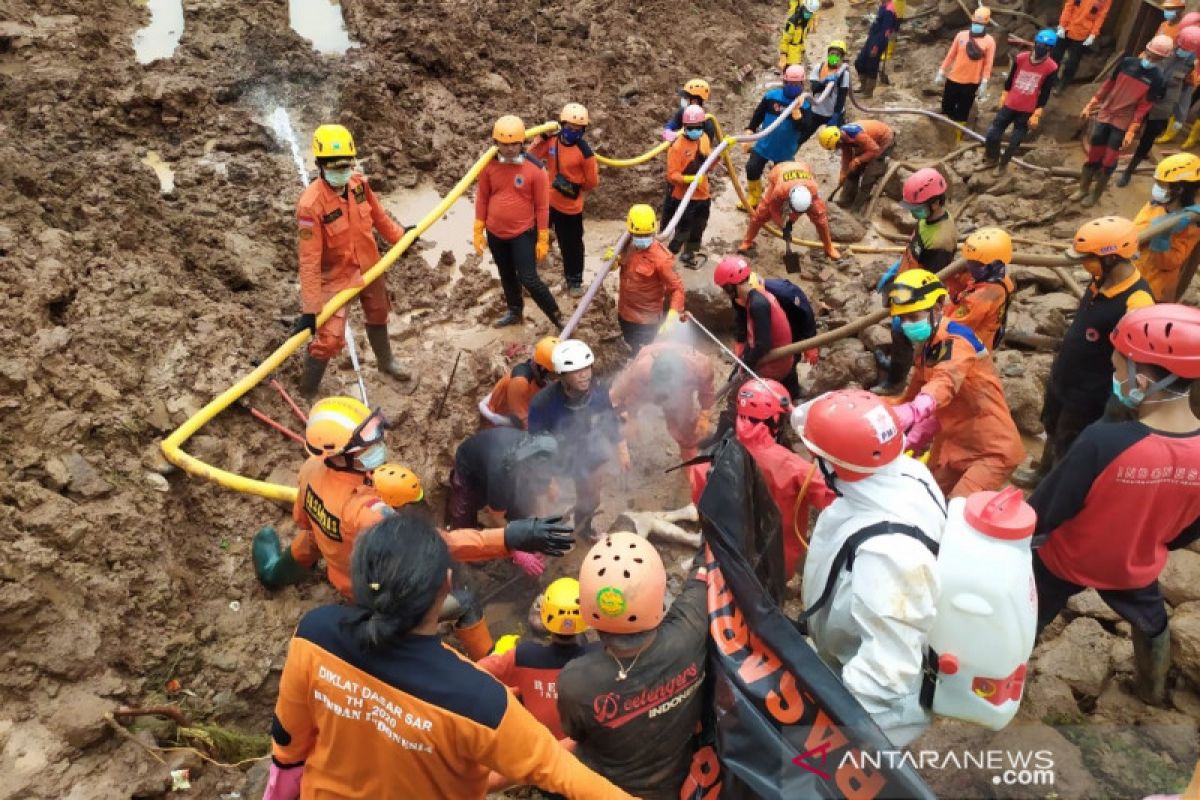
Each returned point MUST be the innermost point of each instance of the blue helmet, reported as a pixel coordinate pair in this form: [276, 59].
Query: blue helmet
[1046, 37]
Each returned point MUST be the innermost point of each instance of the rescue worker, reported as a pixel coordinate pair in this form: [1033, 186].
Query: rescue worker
[337, 217]
[512, 219]
[800, 22]
[955, 401]
[1185, 47]
[573, 172]
[648, 280]
[1128, 492]
[869, 63]
[695, 92]
[504, 471]
[1176, 70]
[508, 403]
[353, 671]
[1079, 384]
[870, 624]
[1119, 106]
[1026, 90]
[1078, 26]
[676, 378]
[1160, 260]
[531, 669]
[791, 191]
[830, 85]
[783, 142]
[931, 247]
[865, 146]
[983, 305]
[684, 159]
[605, 697]
[760, 323]
[577, 412]
[1172, 20]
[966, 68]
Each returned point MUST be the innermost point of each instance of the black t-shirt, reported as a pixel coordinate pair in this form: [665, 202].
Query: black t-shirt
[638, 732]
[482, 462]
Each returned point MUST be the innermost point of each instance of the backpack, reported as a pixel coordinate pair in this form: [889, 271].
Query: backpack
[795, 305]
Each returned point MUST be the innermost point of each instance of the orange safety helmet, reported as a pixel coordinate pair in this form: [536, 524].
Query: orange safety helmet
[1161, 46]
[509, 130]
[697, 87]
[397, 486]
[855, 431]
[1166, 335]
[1173, 4]
[1105, 236]
[575, 114]
[622, 585]
[982, 16]
[543, 352]
[987, 245]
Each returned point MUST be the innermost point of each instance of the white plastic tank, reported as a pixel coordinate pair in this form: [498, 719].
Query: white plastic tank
[987, 611]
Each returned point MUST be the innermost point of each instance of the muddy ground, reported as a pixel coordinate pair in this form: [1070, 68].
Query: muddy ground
[125, 583]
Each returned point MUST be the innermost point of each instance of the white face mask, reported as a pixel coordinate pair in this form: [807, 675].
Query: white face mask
[1160, 194]
[517, 159]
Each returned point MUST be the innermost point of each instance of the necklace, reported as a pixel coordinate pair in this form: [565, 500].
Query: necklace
[622, 670]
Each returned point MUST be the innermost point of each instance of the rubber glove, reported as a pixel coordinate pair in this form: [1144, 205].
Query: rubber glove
[283, 783]
[623, 454]
[798, 113]
[922, 434]
[1184, 222]
[748, 146]
[811, 356]
[532, 564]
[939, 79]
[1131, 134]
[1035, 119]
[783, 60]
[1089, 109]
[1060, 31]
[669, 135]
[1161, 244]
[888, 276]
[1003, 98]
[547, 535]
[609, 253]
[982, 89]
[692, 178]
[730, 141]
[672, 319]
[480, 238]
[305, 322]
[1089, 41]
[917, 410]
[542, 249]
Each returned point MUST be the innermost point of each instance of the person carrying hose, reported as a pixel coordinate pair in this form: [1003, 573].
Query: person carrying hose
[955, 402]
[791, 191]
[1026, 91]
[865, 146]
[696, 92]
[676, 378]
[372, 704]
[1176, 70]
[1078, 26]
[684, 158]
[983, 305]
[1176, 180]
[827, 108]
[800, 22]
[508, 403]
[966, 68]
[337, 217]
[512, 219]
[761, 325]
[869, 63]
[1119, 107]
[783, 142]
[647, 281]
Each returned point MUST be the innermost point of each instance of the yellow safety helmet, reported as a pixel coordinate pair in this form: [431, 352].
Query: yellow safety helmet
[838, 44]
[1179, 167]
[697, 87]
[990, 244]
[641, 220]
[332, 423]
[914, 290]
[333, 141]
[543, 352]
[397, 485]
[829, 136]
[574, 113]
[509, 129]
[505, 643]
[560, 608]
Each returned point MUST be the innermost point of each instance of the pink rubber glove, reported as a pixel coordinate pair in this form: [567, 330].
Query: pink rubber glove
[532, 564]
[283, 783]
[669, 135]
[913, 413]
[922, 433]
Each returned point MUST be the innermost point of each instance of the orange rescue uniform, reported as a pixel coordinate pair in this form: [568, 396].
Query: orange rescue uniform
[512, 393]
[1161, 268]
[978, 446]
[648, 279]
[531, 670]
[685, 418]
[412, 719]
[1083, 18]
[982, 306]
[684, 157]
[513, 198]
[336, 246]
[865, 147]
[569, 162]
[780, 181]
[960, 68]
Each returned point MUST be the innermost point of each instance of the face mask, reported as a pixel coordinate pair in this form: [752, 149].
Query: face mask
[338, 178]
[1186, 55]
[1119, 393]
[518, 159]
[1147, 63]
[917, 332]
[833, 59]
[1170, 15]
[642, 242]
[569, 136]
[1040, 53]
[693, 133]
[373, 457]
[1160, 194]
[792, 90]
[976, 29]
[920, 212]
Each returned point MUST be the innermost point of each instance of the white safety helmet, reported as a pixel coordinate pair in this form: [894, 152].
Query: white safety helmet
[800, 199]
[571, 355]
[813, 6]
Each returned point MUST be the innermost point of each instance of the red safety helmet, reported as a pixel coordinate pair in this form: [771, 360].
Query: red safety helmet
[762, 400]
[1188, 20]
[1189, 38]
[794, 74]
[693, 115]
[1166, 335]
[922, 186]
[855, 431]
[731, 271]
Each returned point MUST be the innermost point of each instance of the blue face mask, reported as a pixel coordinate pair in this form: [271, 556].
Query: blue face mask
[1170, 15]
[1147, 63]
[338, 178]
[1119, 393]
[693, 133]
[976, 29]
[792, 90]
[1186, 55]
[917, 332]
[642, 242]
[373, 457]
[569, 136]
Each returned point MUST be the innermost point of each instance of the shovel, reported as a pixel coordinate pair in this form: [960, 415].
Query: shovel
[791, 260]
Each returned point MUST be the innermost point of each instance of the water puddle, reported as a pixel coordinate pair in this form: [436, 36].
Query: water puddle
[166, 175]
[160, 38]
[451, 233]
[281, 125]
[321, 22]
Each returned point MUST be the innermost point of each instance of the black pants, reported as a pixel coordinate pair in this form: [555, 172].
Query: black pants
[568, 228]
[1064, 421]
[957, 100]
[637, 335]
[518, 268]
[1151, 130]
[463, 503]
[1070, 50]
[691, 226]
[810, 123]
[755, 165]
[1005, 117]
[1143, 608]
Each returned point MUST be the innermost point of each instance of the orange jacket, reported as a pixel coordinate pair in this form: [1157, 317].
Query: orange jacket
[512, 393]
[1161, 268]
[683, 158]
[570, 162]
[780, 181]
[1083, 18]
[513, 198]
[860, 150]
[959, 375]
[531, 670]
[980, 306]
[411, 719]
[1170, 29]
[337, 238]
[632, 389]
[647, 279]
[959, 67]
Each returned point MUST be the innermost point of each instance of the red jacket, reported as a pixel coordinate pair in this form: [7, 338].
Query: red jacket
[531, 670]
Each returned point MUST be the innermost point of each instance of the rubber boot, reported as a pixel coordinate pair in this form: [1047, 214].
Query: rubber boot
[381, 345]
[1001, 167]
[310, 381]
[1127, 173]
[867, 90]
[753, 192]
[475, 638]
[958, 134]
[1085, 183]
[274, 566]
[1098, 187]
[1168, 135]
[1193, 137]
[1152, 659]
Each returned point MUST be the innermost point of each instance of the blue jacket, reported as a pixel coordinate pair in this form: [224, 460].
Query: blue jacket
[784, 141]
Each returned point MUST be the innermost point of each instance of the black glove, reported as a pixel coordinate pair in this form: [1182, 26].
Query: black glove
[548, 535]
[306, 322]
[469, 604]
[408, 228]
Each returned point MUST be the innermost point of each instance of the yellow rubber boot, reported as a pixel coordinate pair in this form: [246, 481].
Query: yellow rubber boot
[1168, 134]
[1193, 137]
[754, 192]
[475, 638]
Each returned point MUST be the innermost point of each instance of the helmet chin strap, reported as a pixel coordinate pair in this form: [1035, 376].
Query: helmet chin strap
[1138, 396]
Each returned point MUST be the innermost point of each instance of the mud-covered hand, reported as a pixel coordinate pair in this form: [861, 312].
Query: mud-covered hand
[1131, 134]
[747, 146]
[305, 322]
[1089, 109]
[549, 535]
[283, 783]
[532, 564]
[480, 237]
[542, 249]
[1035, 119]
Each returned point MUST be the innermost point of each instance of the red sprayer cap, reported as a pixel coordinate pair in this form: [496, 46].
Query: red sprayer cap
[1002, 515]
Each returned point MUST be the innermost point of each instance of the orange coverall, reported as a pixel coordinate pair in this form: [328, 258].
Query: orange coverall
[684, 158]
[1083, 19]
[780, 181]
[648, 278]
[571, 164]
[337, 245]
[512, 393]
[980, 307]
[864, 148]
[685, 418]
[1161, 268]
[978, 446]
